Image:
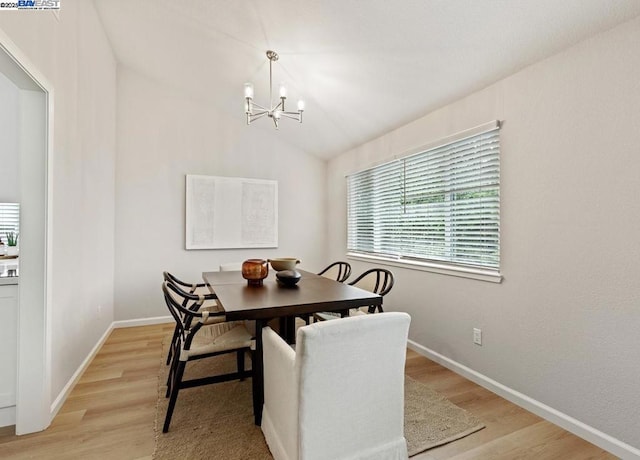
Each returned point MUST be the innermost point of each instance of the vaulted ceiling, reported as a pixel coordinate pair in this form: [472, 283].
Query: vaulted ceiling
[364, 67]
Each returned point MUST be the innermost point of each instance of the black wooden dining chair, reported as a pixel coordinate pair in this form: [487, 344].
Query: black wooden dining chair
[206, 301]
[377, 280]
[338, 271]
[201, 334]
[192, 288]
[194, 303]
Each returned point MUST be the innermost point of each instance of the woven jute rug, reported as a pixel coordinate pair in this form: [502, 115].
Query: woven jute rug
[216, 421]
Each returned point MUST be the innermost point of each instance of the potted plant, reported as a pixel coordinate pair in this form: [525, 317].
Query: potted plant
[12, 243]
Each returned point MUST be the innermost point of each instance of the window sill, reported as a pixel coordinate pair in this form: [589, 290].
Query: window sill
[461, 272]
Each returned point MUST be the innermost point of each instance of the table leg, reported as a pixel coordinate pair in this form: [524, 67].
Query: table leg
[287, 325]
[258, 374]
[291, 329]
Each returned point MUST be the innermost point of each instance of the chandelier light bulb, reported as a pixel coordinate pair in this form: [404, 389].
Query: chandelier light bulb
[283, 91]
[248, 90]
[300, 105]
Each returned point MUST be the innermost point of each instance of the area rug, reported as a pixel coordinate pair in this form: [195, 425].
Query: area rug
[216, 421]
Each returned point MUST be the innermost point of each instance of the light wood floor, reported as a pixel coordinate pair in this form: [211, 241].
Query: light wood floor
[110, 413]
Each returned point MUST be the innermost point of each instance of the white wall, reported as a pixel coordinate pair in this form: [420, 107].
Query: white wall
[563, 326]
[162, 136]
[74, 55]
[9, 172]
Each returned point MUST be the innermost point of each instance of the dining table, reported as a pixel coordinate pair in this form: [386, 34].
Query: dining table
[274, 300]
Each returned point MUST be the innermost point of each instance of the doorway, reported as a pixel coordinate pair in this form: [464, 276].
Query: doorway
[35, 141]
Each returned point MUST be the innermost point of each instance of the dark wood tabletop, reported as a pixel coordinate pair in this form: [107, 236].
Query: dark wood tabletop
[313, 293]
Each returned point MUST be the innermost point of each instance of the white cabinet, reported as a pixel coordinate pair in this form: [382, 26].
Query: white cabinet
[8, 352]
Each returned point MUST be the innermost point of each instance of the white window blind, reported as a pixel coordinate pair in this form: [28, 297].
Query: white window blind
[440, 205]
[9, 219]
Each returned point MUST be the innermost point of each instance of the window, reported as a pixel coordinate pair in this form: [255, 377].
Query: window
[439, 206]
[9, 219]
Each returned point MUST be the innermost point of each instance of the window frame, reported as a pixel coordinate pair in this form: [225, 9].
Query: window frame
[447, 267]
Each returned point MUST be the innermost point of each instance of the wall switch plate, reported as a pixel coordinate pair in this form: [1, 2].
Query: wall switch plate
[477, 336]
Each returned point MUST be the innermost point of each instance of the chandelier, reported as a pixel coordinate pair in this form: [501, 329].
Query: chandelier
[276, 112]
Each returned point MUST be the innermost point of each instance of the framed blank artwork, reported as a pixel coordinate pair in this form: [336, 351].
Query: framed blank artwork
[230, 213]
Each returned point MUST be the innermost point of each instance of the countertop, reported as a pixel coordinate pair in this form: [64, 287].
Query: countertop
[9, 271]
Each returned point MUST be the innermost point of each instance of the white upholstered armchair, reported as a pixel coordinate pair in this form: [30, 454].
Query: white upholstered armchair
[340, 393]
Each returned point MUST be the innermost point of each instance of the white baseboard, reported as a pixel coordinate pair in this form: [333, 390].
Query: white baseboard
[142, 322]
[8, 416]
[586, 432]
[59, 401]
[62, 397]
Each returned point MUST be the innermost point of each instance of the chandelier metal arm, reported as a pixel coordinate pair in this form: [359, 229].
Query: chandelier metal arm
[293, 115]
[258, 106]
[257, 115]
[251, 117]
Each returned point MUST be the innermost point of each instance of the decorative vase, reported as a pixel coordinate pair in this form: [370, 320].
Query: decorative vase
[255, 271]
[288, 277]
[12, 250]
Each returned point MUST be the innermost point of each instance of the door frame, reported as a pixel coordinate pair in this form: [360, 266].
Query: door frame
[33, 389]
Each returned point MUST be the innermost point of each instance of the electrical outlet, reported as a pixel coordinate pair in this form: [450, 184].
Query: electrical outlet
[477, 336]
